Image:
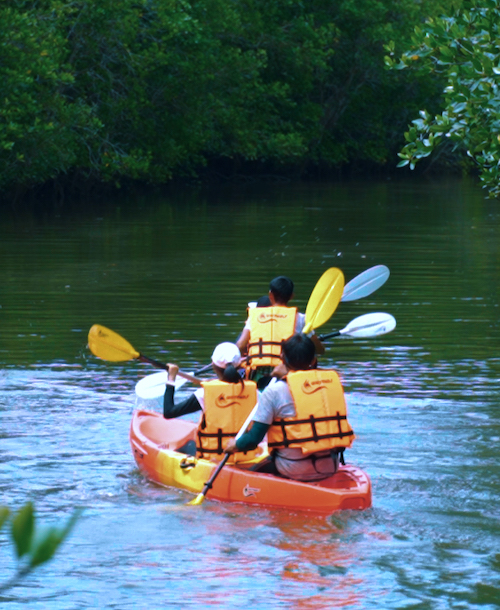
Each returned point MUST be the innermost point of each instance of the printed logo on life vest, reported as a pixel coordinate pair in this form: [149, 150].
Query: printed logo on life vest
[264, 318]
[223, 402]
[250, 492]
[311, 387]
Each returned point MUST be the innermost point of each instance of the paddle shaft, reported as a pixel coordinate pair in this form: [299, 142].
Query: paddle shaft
[336, 333]
[208, 484]
[161, 365]
[207, 367]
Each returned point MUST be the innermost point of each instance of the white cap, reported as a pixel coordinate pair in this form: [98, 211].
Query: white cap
[226, 353]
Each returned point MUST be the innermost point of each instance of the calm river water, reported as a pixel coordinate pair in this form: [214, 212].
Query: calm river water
[173, 275]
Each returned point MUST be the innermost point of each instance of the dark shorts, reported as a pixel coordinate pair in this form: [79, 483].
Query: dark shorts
[267, 466]
[262, 376]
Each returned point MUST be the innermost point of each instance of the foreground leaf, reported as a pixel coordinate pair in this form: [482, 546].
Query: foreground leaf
[47, 541]
[4, 513]
[23, 526]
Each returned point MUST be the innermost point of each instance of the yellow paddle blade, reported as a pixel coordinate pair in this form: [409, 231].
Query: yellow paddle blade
[197, 501]
[108, 345]
[324, 298]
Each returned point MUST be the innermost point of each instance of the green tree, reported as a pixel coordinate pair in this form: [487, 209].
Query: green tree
[109, 90]
[42, 132]
[463, 49]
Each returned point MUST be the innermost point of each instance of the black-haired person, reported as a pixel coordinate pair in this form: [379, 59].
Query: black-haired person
[226, 403]
[304, 416]
[266, 329]
[263, 301]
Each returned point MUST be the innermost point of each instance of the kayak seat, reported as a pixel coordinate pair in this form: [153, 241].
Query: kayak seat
[188, 448]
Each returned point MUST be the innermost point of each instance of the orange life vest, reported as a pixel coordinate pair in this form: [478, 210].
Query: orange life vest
[269, 327]
[227, 405]
[321, 420]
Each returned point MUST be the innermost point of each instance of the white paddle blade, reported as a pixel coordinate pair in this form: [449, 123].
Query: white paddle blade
[365, 283]
[153, 386]
[370, 325]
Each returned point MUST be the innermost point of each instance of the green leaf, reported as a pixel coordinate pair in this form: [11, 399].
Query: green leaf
[47, 541]
[478, 66]
[23, 526]
[4, 513]
[44, 546]
[446, 51]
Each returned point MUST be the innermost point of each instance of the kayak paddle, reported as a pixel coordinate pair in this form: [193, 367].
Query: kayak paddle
[365, 283]
[153, 386]
[324, 299]
[108, 345]
[367, 325]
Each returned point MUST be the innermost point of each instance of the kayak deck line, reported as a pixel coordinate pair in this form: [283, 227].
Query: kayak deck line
[155, 441]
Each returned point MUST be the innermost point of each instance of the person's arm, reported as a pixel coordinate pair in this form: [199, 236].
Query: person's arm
[280, 371]
[170, 409]
[243, 341]
[249, 440]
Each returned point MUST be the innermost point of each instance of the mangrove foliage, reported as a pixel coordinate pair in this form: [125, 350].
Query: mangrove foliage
[107, 91]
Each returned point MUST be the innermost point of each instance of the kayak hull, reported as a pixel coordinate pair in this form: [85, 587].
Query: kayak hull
[155, 440]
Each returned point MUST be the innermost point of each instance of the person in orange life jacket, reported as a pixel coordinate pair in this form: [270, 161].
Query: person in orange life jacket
[263, 334]
[280, 293]
[225, 402]
[302, 450]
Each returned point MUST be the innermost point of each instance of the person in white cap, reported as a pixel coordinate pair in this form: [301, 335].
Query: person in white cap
[225, 402]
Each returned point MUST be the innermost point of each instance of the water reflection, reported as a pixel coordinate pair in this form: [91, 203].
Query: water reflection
[173, 276]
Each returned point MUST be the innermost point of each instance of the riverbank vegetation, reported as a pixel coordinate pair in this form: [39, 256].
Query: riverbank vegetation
[463, 48]
[110, 91]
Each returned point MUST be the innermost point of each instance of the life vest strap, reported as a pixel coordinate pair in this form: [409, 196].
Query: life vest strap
[315, 436]
[219, 435]
[261, 353]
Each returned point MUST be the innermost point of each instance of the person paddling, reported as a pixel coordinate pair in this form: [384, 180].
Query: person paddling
[226, 403]
[304, 416]
[267, 328]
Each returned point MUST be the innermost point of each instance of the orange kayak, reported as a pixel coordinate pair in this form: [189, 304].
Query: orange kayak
[155, 440]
